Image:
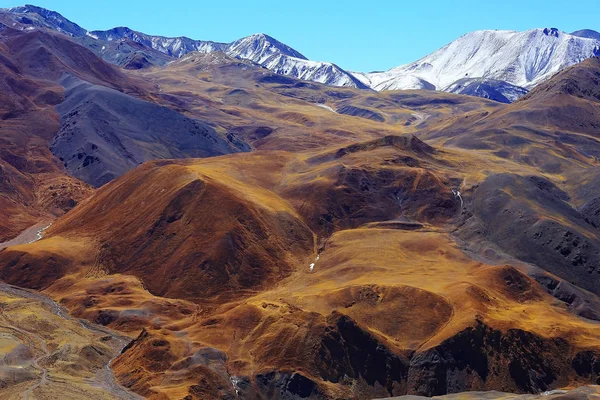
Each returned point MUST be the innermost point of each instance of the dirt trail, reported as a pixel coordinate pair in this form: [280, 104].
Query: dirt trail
[104, 378]
[36, 363]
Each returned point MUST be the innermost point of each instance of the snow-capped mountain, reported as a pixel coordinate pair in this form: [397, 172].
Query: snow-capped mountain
[500, 65]
[260, 48]
[117, 46]
[284, 60]
[521, 59]
[174, 47]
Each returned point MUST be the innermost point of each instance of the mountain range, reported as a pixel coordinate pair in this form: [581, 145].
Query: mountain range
[499, 65]
[198, 226]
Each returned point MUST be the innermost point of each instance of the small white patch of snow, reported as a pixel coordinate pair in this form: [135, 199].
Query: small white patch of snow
[326, 107]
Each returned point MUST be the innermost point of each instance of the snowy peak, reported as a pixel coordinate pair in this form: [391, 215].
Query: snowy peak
[173, 47]
[284, 60]
[260, 47]
[521, 59]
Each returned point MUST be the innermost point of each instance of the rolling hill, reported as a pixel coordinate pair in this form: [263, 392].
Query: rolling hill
[252, 235]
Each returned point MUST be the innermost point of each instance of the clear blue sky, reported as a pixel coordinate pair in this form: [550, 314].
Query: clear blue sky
[358, 35]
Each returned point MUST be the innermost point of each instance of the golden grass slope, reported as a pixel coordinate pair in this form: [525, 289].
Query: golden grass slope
[390, 286]
[280, 113]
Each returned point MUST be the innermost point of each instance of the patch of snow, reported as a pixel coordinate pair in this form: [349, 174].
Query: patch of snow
[326, 107]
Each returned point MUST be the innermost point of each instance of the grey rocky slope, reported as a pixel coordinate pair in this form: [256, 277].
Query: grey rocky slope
[105, 133]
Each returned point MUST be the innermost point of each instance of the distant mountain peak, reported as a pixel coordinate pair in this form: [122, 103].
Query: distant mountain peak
[259, 47]
[27, 8]
[42, 17]
[509, 62]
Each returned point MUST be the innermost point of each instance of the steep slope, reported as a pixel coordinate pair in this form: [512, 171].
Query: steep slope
[340, 259]
[113, 130]
[284, 60]
[322, 72]
[554, 129]
[259, 48]
[48, 55]
[401, 83]
[522, 59]
[125, 52]
[507, 61]
[104, 133]
[33, 187]
[218, 232]
[567, 103]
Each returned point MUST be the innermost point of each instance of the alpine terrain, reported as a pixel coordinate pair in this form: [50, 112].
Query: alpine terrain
[184, 219]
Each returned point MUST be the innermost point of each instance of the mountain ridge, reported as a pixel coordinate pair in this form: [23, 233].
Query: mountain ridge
[506, 63]
[522, 59]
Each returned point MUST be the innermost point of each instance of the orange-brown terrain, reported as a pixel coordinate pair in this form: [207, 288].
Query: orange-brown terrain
[338, 244]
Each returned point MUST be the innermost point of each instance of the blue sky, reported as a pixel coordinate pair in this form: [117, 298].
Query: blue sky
[357, 35]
